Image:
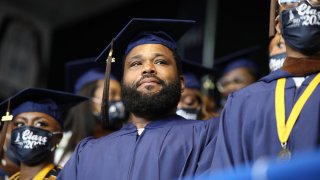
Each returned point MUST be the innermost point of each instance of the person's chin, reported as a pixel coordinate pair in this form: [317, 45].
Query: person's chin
[149, 89]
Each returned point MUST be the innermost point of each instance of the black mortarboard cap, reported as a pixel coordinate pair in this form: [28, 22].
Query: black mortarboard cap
[47, 101]
[146, 31]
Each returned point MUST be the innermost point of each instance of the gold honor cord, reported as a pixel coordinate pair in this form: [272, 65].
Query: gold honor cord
[43, 173]
[284, 129]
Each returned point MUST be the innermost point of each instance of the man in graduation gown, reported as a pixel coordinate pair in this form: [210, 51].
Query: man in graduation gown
[157, 144]
[279, 115]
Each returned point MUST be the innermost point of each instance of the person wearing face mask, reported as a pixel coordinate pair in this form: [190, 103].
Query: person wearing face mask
[278, 116]
[236, 72]
[277, 52]
[156, 143]
[86, 78]
[191, 104]
[9, 162]
[37, 121]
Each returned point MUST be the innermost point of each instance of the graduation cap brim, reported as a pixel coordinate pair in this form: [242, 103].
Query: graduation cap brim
[244, 54]
[63, 99]
[75, 69]
[236, 55]
[195, 68]
[174, 28]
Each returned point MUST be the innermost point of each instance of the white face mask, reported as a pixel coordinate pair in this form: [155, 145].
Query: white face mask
[276, 61]
[188, 113]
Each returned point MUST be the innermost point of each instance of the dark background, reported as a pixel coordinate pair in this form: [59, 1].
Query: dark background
[65, 31]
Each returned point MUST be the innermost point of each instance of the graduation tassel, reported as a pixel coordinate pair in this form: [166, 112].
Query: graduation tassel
[105, 97]
[6, 118]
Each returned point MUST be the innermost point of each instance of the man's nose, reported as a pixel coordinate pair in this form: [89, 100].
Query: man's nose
[149, 68]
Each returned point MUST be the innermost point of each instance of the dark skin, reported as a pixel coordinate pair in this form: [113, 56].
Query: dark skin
[190, 99]
[244, 76]
[38, 120]
[154, 59]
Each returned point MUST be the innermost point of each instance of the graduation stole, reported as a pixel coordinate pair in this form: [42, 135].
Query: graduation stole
[43, 173]
[284, 129]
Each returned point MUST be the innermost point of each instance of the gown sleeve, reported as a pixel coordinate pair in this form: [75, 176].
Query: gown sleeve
[69, 171]
[223, 155]
[209, 146]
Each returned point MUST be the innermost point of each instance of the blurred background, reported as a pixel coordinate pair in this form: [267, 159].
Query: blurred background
[37, 37]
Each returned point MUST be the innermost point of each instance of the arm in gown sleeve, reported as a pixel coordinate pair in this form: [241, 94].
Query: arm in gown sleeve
[223, 155]
[207, 154]
[69, 171]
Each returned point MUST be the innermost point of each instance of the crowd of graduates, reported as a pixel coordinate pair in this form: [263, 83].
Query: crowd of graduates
[159, 123]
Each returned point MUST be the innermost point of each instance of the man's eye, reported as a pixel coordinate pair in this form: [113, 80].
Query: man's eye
[160, 61]
[134, 64]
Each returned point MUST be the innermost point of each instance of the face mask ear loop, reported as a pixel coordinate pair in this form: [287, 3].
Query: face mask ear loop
[56, 140]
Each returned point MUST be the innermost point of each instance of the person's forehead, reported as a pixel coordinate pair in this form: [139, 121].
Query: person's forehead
[149, 49]
[190, 92]
[238, 71]
[35, 116]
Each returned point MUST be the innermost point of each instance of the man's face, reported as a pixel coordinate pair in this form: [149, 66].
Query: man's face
[147, 59]
[235, 80]
[151, 83]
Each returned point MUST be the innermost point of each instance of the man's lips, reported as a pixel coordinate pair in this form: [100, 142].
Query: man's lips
[148, 81]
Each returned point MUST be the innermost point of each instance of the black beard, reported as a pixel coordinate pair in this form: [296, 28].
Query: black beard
[153, 104]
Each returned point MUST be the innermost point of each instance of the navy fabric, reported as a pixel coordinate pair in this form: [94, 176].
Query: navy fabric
[192, 81]
[167, 149]
[152, 37]
[237, 59]
[46, 106]
[88, 77]
[47, 101]
[248, 128]
[239, 63]
[173, 29]
[82, 72]
[193, 72]
[304, 165]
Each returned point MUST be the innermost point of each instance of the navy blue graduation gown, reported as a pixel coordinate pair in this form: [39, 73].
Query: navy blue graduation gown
[167, 149]
[248, 128]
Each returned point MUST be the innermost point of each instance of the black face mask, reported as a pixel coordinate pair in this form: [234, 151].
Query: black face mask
[276, 61]
[12, 156]
[188, 113]
[32, 145]
[301, 28]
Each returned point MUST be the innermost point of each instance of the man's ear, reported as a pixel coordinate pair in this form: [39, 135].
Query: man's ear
[182, 82]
